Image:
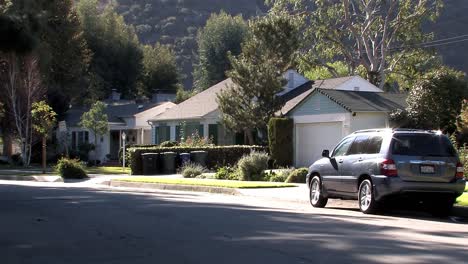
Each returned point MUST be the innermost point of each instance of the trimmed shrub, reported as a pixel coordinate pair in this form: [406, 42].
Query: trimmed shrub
[70, 169]
[217, 155]
[226, 173]
[169, 144]
[298, 176]
[192, 170]
[251, 167]
[280, 138]
[279, 176]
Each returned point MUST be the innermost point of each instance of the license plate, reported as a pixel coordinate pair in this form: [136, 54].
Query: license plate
[427, 169]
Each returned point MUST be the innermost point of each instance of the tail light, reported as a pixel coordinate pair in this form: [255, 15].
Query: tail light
[460, 171]
[388, 168]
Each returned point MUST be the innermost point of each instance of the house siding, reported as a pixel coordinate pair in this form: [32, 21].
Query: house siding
[368, 120]
[318, 104]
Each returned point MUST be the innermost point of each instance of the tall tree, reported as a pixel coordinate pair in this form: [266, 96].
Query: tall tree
[257, 74]
[222, 34]
[435, 101]
[65, 56]
[21, 86]
[374, 35]
[43, 119]
[117, 57]
[159, 69]
[96, 121]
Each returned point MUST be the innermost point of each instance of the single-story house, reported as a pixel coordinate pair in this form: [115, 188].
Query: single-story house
[200, 114]
[129, 117]
[333, 109]
[323, 111]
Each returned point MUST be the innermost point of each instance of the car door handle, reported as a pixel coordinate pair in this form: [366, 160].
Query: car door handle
[340, 161]
[360, 159]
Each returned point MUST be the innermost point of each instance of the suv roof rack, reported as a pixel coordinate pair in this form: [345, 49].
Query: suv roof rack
[372, 130]
[415, 130]
[395, 130]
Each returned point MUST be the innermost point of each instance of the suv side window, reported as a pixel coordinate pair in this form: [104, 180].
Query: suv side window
[373, 147]
[359, 145]
[342, 148]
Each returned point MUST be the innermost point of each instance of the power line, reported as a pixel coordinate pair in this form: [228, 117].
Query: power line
[435, 43]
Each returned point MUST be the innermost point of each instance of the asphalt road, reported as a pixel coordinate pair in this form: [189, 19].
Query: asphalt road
[54, 224]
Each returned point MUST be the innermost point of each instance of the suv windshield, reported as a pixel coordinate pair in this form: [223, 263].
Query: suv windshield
[422, 145]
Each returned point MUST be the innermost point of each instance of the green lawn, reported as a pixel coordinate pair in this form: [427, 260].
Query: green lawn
[211, 183]
[107, 170]
[463, 200]
[21, 171]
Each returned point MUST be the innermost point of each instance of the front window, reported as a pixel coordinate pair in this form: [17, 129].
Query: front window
[79, 138]
[342, 147]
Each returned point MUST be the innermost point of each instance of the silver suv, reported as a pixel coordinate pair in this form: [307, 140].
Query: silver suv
[372, 165]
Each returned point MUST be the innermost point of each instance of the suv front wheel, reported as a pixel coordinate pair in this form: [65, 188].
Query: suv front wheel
[315, 193]
[367, 202]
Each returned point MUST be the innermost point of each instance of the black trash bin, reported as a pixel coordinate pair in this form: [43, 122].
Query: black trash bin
[184, 158]
[199, 157]
[169, 162]
[150, 163]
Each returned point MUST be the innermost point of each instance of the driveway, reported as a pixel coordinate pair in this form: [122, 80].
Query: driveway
[51, 223]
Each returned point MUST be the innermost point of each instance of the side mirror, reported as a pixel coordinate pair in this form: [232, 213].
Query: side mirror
[326, 153]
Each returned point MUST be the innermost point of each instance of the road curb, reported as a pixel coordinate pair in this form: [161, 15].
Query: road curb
[31, 178]
[173, 187]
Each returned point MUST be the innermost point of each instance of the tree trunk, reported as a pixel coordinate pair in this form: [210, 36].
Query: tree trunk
[44, 142]
[7, 145]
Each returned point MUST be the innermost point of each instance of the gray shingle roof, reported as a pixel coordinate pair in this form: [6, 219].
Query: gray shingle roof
[197, 106]
[332, 83]
[297, 95]
[355, 101]
[115, 113]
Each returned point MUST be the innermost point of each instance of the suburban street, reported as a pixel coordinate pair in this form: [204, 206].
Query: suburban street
[56, 223]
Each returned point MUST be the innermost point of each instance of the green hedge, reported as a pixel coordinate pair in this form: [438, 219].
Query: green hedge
[217, 155]
[280, 137]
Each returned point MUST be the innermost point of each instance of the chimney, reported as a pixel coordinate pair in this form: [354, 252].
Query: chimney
[115, 96]
[291, 80]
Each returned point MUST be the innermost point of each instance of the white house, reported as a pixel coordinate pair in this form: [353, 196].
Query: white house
[323, 111]
[129, 117]
[200, 114]
[335, 108]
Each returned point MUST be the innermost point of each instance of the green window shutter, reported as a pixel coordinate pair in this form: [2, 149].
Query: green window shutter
[168, 133]
[155, 135]
[213, 133]
[178, 135]
[200, 131]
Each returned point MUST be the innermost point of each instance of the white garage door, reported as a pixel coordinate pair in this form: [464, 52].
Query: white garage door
[311, 139]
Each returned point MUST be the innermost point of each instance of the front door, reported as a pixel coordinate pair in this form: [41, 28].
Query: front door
[114, 145]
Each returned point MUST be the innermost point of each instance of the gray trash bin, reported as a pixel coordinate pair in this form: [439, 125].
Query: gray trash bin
[169, 162]
[150, 163]
[199, 157]
[184, 158]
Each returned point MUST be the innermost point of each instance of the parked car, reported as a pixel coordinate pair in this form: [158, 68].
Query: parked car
[373, 165]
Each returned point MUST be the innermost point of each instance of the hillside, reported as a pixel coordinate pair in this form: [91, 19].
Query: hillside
[176, 22]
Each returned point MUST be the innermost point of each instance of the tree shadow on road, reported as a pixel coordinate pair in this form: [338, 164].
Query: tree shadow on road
[91, 226]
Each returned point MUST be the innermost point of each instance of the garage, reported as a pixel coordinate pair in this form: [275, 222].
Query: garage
[312, 138]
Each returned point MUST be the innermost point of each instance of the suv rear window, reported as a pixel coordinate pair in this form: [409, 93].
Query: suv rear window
[422, 145]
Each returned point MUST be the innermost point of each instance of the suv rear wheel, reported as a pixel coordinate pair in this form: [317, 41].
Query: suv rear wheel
[315, 193]
[367, 202]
